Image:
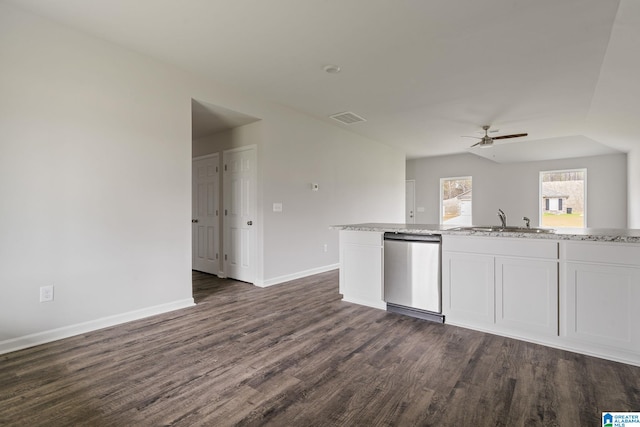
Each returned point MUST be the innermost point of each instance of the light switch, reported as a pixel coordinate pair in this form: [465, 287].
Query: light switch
[277, 207]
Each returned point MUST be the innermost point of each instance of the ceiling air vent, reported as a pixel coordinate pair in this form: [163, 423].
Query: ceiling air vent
[348, 118]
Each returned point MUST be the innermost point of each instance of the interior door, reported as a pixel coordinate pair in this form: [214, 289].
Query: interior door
[205, 209]
[240, 184]
[410, 200]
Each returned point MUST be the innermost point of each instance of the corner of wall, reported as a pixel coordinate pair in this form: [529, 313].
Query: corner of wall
[633, 189]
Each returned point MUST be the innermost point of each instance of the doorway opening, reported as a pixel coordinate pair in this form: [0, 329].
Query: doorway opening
[410, 201]
[224, 185]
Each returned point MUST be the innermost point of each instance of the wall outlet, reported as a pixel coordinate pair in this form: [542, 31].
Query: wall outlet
[46, 293]
[326, 247]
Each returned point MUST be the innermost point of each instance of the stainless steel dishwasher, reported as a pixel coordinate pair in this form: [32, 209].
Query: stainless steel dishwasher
[412, 283]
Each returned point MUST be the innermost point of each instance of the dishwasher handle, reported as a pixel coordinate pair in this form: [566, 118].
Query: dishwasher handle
[403, 237]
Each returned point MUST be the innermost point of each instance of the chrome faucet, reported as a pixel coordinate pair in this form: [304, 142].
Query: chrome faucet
[526, 221]
[503, 218]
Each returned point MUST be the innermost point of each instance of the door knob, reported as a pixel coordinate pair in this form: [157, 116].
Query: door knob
[194, 221]
[249, 222]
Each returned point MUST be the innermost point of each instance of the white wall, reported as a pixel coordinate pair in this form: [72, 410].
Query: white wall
[613, 116]
[514, 187]
[95, 180]
[240, 136]
[633, 192]
[359, 181]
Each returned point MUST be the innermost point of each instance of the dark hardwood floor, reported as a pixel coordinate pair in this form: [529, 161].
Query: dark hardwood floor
[296, 355]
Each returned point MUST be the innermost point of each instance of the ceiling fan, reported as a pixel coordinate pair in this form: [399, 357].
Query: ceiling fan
[487, 141]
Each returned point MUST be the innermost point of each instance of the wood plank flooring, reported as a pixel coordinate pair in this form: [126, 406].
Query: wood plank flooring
[296, 355]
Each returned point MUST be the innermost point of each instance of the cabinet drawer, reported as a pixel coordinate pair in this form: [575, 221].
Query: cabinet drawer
[369, 238]
[505, 246]
[600, 252]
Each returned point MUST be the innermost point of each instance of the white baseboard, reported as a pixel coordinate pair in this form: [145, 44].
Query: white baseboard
[294, 276]
[44, 337]
[617, 355]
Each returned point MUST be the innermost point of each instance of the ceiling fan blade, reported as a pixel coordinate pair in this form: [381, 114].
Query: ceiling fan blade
[515, 135]
[477, 143]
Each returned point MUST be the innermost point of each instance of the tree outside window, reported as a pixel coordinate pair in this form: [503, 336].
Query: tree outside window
[563, 198]
[455, 201]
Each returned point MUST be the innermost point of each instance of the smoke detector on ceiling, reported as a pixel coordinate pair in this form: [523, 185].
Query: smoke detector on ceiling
[332, 69]
[347, 118]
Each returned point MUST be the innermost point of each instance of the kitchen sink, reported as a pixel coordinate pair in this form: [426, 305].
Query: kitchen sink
[507, 229]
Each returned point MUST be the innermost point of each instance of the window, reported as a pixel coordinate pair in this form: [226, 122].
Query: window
[563, 196]
[455, 201]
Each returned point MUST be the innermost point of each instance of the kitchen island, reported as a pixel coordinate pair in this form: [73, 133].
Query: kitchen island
[577, 290]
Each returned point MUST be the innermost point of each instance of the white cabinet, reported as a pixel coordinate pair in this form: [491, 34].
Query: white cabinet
[361, 271]
[600, 298]
[527, 295]
[468, 288]
[581, 296]
[501, 285]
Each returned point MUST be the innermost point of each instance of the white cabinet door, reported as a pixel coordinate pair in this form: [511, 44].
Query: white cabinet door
[601, 305]
[527, 295]
[468, 289]
[361, 270]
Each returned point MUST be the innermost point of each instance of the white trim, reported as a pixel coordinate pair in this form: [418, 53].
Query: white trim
[616, 355]
[44, 337]
[241, 148]
[206, 156]
[294, 276]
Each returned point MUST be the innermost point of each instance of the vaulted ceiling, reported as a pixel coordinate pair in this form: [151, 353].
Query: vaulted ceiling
[422, 72]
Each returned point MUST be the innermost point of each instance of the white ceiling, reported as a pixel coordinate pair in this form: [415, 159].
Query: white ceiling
[422, 72]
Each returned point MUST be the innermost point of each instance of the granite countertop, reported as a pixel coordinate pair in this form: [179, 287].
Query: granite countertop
[624, 235]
